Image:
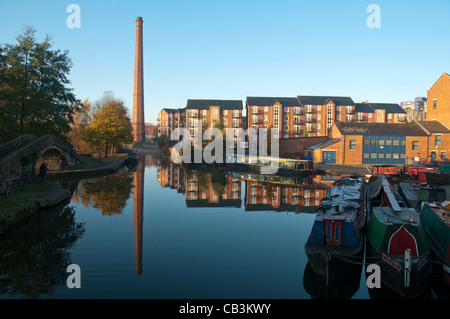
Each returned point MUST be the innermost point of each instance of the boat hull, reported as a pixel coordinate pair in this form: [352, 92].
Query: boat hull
[332, 264]
[393, 272]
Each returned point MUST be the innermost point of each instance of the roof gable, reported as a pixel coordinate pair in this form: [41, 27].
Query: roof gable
[443, 76]
[322, 100]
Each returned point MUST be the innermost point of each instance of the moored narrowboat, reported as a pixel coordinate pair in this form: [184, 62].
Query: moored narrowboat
[436, 222]
[282, 166]
[396, 240]
[336, 243]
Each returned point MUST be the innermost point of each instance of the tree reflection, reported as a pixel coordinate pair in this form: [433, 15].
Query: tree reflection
[108, 193]
[34, 256]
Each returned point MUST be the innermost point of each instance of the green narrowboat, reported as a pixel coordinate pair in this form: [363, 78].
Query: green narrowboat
[436, 222]
[397, 240]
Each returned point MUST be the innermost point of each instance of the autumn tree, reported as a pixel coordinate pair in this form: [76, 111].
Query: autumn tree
[110, 126]
[81, 120]
[34, 93]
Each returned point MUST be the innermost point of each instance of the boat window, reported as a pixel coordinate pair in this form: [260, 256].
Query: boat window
[328, 232]
[337, 233]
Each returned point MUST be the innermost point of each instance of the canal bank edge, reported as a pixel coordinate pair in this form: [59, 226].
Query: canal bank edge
[22, 202]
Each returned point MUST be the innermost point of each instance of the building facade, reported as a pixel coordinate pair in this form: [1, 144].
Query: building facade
[382, 143]
[229, 113]
[170, 119]
[379, 113]
[438, 101]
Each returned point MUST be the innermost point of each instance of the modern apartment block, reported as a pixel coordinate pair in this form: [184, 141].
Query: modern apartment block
[379, 113]
[419, 104]
[438, 101]
[170, 119]
[299, 116]
[212, 112]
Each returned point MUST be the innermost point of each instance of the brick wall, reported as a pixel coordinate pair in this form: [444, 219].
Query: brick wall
[440, 92]
[297, 145]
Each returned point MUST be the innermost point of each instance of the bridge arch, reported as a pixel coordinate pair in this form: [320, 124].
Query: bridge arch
[19, 165]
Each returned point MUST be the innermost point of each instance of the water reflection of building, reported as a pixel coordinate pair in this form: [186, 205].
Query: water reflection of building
[283, 195]
[203, 191]
[138, 208]
[171, 175]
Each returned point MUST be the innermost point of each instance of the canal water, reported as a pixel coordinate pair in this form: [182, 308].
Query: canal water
[163, 231]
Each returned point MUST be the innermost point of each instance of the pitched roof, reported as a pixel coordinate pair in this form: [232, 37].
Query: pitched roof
[434, 126]
[268, 101]
[205, 104]
[396, 129]
[389, 107]
[322, 144]
[322, 100]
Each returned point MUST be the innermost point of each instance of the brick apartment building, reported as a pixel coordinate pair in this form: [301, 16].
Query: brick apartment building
[351, 143]
[170, 119]
[379, 113]
[212, 112]
[438, 101]
[314, 115]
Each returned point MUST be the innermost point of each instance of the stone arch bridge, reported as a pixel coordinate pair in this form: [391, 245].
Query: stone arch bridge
[20, 157]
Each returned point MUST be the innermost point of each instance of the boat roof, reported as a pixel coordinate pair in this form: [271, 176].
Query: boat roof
[388, 216]
[342, 200]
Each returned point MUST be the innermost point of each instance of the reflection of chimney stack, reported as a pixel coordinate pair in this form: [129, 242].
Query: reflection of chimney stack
[138, 207]
[138, 96]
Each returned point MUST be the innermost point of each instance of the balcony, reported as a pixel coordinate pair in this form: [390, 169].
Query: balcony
[309, 120]
[309, 110]
[236, 114]
[298, 122]
[298, 112]
[350, 111]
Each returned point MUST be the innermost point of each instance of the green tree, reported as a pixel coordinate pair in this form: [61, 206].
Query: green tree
[110, 126]
[34, 93]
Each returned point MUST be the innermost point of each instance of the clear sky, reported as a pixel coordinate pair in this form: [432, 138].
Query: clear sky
[230, 49]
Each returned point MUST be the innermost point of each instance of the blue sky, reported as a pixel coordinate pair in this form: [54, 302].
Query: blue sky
[237, 48]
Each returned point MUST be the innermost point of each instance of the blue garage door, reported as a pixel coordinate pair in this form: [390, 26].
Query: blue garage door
[329, 157]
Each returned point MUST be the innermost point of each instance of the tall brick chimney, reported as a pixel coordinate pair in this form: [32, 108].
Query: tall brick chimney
[138, 96]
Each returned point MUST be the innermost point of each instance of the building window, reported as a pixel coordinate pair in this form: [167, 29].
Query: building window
[373, 155]
[395, 156]
[388, 155]
[286, 127]
[396, 142]
[215, 111]
[389, 116]
[319, 107]
[366, 142]
[369, 115]
[329, 116]
[373, 142]
[366, 155]
[443, 155]
[415, 145]
[266, 109]
[353, 144]
[225, 112]
[266, 118]
[381, 142]
[438, 140]
[434, 104]
[388, 142]
[380, 155]
[204, 112]
[318, 117]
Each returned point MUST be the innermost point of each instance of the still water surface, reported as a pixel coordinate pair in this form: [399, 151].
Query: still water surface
[166, 232]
